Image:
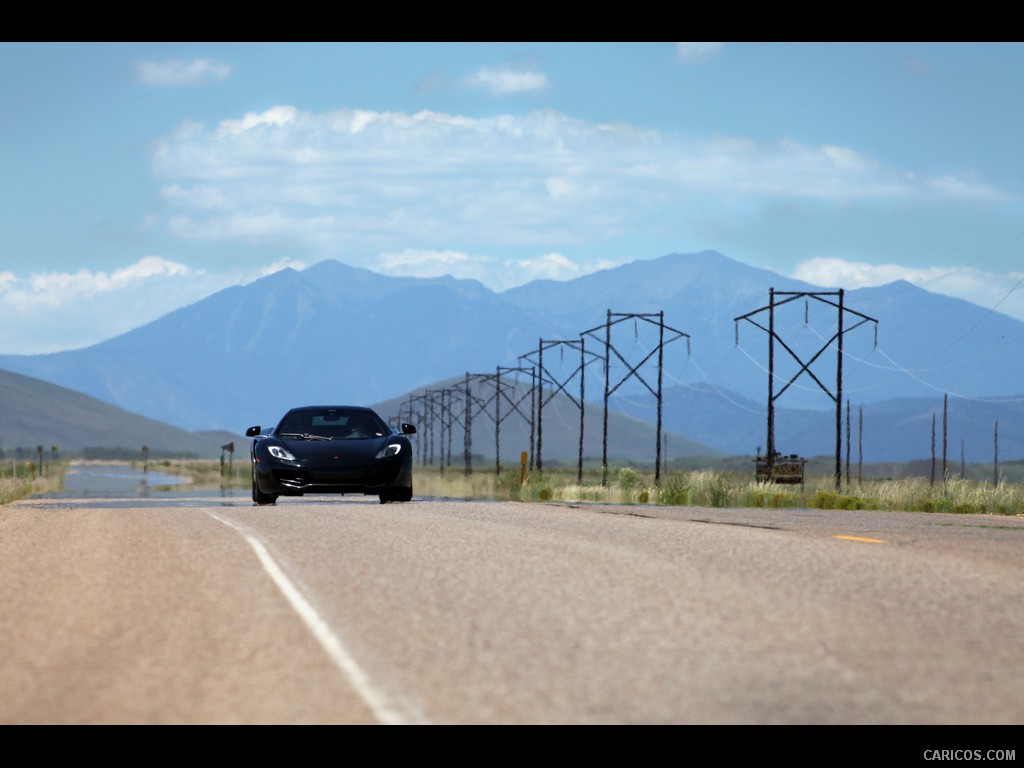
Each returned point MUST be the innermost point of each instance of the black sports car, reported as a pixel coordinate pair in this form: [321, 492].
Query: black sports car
[331, 449]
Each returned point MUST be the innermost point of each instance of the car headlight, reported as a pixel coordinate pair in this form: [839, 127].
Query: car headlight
[280, 453]
[389, 450]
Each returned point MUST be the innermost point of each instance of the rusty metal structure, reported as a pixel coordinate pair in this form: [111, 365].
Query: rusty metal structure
[469, 400]
[456, 406]
[515, 399]
[783, 469]
[774, 466]
[559, 383]
[633, 371]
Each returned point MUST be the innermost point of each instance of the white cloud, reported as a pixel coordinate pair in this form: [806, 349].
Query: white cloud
[372, 181]
[554, 266]
[1003, 292]
[176, 72]
[497, 274]
[271, 227]
[411, 262]
[201, 196]
[428, 193]
[277, 266]
[857, 274]
[689, 51]
[964, 188]
[274, 118]
[560, 186]
[504, 81]
[72, 310]
[918, 67]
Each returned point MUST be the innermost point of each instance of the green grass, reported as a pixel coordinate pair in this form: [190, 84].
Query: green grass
[621, 485]
[693, 487]
[715, 488]
[24, 480]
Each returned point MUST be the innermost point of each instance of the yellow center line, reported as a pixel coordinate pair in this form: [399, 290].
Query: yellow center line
[860, 538]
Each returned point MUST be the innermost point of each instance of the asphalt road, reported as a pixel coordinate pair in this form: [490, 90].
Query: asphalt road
[204, 609]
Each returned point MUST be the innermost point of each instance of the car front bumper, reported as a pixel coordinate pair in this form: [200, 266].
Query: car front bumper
[292, 480]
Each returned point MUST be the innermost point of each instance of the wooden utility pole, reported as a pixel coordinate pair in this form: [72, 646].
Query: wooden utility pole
[860, 446]
[847, 445]
[933, 451]
[945, 410]
[995, 455]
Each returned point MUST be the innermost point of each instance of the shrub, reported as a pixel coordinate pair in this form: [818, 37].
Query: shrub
[507, 485]
[719, 491]
[674, 491]
[831, 500]
[706, 487]
[965, 509]
[629, 478]
[825, 500]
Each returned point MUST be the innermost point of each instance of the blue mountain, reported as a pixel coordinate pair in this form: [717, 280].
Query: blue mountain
[334, 333]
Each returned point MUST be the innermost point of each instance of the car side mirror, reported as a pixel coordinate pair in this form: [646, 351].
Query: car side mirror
[252, 431]
[408, 429]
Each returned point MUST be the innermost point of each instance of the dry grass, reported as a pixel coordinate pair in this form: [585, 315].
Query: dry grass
[626, 485]
[714, 488]
[24, 481]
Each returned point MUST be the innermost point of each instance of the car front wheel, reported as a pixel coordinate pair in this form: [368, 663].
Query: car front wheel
[398, 494]
[258, 496]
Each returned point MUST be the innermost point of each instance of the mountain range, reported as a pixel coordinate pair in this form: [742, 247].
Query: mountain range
[336, 333]
[35, 414]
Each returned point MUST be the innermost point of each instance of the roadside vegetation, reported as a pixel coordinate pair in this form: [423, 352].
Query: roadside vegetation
[678, 486]
[716, 488]
[24, 480]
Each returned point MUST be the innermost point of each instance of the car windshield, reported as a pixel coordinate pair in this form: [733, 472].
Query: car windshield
[331, 424]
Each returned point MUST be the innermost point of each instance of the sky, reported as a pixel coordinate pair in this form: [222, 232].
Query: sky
[137, 178]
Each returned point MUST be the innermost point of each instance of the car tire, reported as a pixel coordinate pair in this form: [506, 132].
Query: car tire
[396, 494]
[258, 496]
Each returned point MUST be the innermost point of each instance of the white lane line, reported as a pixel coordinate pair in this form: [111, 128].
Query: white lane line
[383, 710]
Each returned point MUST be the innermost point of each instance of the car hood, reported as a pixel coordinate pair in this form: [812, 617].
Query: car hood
[356, 450]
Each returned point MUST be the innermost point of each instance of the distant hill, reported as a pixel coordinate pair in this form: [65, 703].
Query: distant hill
[35, 413]
[556, 436]
[898, 430]
[335, 333]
